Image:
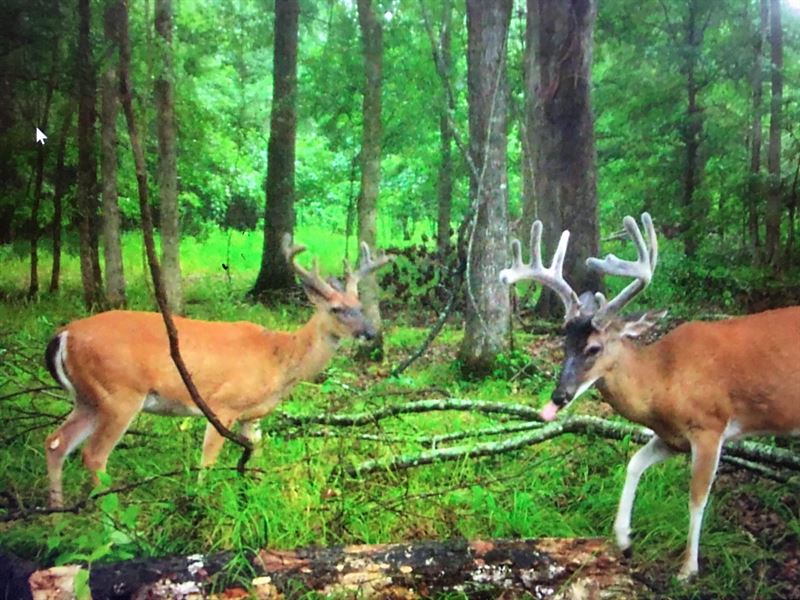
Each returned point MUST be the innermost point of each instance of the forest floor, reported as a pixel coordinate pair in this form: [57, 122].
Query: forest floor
[304, 487]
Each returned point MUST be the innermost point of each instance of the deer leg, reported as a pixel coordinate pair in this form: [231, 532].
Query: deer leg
[110, 428]
[252, 431]
[60, 443]
[653, 452]
[705, 460]
[212, 442]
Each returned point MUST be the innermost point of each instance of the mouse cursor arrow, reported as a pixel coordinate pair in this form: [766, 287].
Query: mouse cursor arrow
[40, 136]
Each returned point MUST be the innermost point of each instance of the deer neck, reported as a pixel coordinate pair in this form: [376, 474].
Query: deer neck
[628, 385]
[313, 347]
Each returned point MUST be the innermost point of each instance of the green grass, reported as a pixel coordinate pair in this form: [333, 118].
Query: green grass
[294, 495]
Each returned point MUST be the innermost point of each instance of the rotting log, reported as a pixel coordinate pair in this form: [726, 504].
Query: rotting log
[538, 568]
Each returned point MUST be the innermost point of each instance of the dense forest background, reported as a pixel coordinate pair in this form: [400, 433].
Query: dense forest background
[439, 131]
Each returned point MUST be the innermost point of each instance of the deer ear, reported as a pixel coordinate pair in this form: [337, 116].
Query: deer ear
[638, 325]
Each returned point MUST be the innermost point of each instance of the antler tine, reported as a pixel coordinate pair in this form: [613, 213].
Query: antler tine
[309, 278]
[641, 269]
[366, 264]
[550, 277]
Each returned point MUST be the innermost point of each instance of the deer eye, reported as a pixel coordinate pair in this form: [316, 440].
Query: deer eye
[337, 310]
[593, 350]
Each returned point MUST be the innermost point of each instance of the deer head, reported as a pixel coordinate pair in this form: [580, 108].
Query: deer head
[338, 305]
[594, 328]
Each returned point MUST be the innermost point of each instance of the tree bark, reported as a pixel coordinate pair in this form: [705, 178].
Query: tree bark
[754, 188]
[560, 137]
[279, 217]
[167, 159]
[372, 45]
[486, 312]
[115, 276]
[60, 187]
[444, 187]
[773, 212]
[87, 164]
[539, 568]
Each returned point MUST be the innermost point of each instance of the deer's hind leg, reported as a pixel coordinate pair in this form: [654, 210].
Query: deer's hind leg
[80, 423]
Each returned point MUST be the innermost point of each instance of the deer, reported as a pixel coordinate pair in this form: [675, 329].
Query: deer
[696, 387]
[117, 364]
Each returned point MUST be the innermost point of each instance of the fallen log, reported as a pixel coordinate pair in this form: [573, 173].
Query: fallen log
[539, 568]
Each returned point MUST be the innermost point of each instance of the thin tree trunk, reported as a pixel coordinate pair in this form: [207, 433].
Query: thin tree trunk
[33, 287]
[87, 167]
[372, 43]
[486, 314]
[754, 188]
[444, 186]
[115, 276]
[279, 216]
[560, 137]
[167, 159]
[773, 213]
[60, 187]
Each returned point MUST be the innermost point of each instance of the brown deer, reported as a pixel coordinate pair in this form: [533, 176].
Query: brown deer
[116, 364]
[696, 387]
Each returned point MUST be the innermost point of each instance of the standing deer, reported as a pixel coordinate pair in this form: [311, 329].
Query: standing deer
[696, 387]
[117, 364]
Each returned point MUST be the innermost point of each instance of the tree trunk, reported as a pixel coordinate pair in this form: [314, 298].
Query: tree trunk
[279, 218]
[560, 137]
[115, 276]
[444, 186]
[754, 188]
[539, 568]
[773, 213]
[693, 225]
[486, 313]
[33, 287]
[87, 164]
[60, 187]
[372, 43]
[167, 160]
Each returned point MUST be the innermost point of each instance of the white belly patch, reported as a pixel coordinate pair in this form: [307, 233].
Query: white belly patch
[159, 405]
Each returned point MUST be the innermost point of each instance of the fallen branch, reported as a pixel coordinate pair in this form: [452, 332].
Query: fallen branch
[368, 418]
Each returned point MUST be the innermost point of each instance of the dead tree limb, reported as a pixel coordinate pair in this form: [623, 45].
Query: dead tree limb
[147, 230]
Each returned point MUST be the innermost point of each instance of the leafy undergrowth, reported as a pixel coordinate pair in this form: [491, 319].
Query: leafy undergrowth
[295, 493]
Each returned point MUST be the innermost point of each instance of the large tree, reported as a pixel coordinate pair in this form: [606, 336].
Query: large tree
[275, 273]
[372, 46]
[167, 158]
[486, 313]
[560, 136]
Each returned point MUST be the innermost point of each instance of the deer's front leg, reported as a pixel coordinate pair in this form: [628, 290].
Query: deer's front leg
[653, 452]
[706, 449]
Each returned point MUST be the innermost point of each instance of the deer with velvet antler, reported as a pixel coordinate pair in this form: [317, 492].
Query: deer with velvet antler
[116, 364]
[696, 387]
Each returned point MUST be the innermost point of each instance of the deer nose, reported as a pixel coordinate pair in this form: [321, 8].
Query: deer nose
[368, 333]
[561, 396]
